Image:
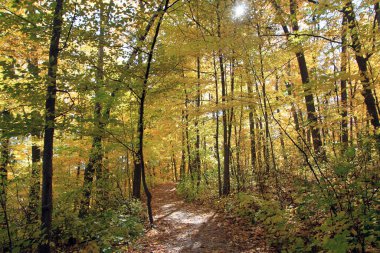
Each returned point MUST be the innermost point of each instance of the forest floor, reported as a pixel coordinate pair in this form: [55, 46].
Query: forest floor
[190, 227]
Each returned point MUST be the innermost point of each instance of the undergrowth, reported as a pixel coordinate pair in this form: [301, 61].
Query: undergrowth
[339, 214]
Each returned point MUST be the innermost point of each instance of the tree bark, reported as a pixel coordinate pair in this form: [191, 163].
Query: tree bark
[47, 167]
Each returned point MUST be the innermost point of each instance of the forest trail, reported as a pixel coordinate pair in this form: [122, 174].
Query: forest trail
[188, 227]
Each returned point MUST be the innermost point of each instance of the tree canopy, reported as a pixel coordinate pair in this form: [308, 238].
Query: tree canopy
[265, 109]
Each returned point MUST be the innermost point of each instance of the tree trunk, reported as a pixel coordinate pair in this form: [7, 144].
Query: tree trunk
[140, 166]
[47, 167]
[377, 14]
[264, 106]
[35, 132]
[226, 147]
[217, 153]
[174, 166]
[252, 135]
[282, 143]
[309, 97]
[96, 153]
[4, 161]
[183, 149]
[197, 161]
[187, 133]
[362, 62]
[34, 193]
[343, 85]
[94, 160]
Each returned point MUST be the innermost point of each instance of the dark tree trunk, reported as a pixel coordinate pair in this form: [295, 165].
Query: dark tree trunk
[183, 149]
[343, 85]
[309, 97]
[174, 166]
[34, 191]
[362, 62]
[217, 153]
[136, 185]
[197, 160]
[47, 167]
[237, 132]
[4, 161]
[226, 147]
[188, 146]
[252, 135]
[140, 166]
[377, 14]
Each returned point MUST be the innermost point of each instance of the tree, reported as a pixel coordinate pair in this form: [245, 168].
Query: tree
[96, 153]
[304, 72]
[47, 167]
[362, 62]
[139, 163]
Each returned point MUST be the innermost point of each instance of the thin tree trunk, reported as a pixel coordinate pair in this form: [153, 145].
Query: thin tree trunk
[217, 153]
[265, 138]
[264, 106]
[343, 85]
[187, 133]
[252, 135]
[140, 166]
[197, 161]
[47, 167]
[183, 149]
[174, 166]
[34, 192]
[226, 147]
[237, 132]
[230, 112]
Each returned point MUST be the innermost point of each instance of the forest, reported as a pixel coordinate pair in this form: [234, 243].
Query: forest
[189, 126]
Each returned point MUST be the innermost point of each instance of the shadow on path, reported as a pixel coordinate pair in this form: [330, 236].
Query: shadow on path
[186, 227]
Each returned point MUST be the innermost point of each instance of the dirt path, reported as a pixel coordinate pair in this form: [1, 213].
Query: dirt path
[185, 227]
